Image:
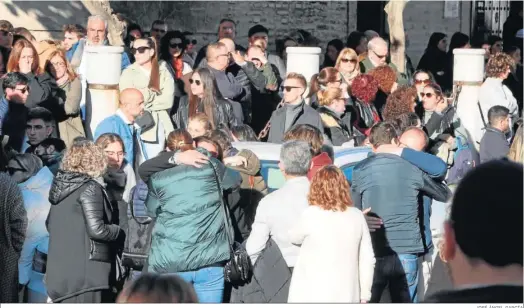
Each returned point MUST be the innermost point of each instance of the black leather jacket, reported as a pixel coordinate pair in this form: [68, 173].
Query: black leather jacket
[223, 114]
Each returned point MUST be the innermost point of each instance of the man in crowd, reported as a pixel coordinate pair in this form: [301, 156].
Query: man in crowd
[72, 36]
[377, 55]
[13, 112]
[388, 187]
[295, 110]
[261, 33]
[38, 128]
[51, 151]
[123, 124]
[482, 243]
[158, 30]
[494, 144]
[6, 35]
[281, 209]
[226, 29]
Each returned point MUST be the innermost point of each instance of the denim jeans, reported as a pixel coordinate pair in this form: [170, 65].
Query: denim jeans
[400, 274]
[208, 283]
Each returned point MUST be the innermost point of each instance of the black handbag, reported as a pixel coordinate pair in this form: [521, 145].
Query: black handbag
[145, 121]
[238, 269]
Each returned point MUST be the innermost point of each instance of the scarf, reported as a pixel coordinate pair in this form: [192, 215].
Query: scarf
[115, 179]
[178, 65]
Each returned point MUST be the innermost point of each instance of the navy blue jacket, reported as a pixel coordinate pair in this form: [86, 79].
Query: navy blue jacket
[390, 186]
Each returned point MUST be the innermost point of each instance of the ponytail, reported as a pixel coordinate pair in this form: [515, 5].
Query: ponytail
[314, 86]
[154, 79]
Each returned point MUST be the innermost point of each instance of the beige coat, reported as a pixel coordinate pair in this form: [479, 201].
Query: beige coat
[72, 126]
[158, 104]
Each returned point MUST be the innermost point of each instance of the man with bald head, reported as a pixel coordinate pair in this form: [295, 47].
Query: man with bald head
[415, 138]
[123, 124]
[378, 55]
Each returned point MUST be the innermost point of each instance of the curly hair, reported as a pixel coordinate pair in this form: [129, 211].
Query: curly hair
[498, 64]
[385, 76]
[85, 157]
[399, 102]
[364, 88]
[330, 190]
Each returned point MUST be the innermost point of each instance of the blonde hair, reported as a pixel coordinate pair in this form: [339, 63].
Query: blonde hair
[516, 151]
[498, 64]
[85, 157]
[352, 55]
[326, 97]
[203, 119]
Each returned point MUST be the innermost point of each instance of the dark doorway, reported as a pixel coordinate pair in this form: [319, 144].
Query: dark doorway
[371, 16]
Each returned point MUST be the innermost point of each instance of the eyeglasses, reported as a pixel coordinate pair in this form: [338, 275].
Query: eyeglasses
[349, 60]
[158, 30]
[140, 49]
[289, 88]
[422, 81]
[255, 59]
[428, 95]
[58, 64]
[23, 90]
[177, 45]
[197, 82]
[379, 56]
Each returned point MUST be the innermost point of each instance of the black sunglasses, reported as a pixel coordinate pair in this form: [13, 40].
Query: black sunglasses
[197, 82]
[177, 45]
[348, 60]
[23, 90]
[289, 88]
[140, 49]
[428, 95]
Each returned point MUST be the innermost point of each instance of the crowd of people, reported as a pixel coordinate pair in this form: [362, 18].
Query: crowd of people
[156, 204]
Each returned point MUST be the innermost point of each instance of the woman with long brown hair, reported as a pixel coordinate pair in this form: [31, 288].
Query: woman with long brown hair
[205, 98]
[328, 77]
[335, 245]
[69, 95]
[151, 77]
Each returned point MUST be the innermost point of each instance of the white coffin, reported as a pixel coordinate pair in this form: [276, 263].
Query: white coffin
[104, 64]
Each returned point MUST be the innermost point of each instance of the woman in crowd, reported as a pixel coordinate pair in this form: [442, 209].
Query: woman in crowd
[322, 155]
[205, 98]
[69, 95]
[332, 51]
[516, 151]
[328, 77]
[347, 65]
[119, 177]
[4, 57]
[152, 78]
[364, 89]
[421, 78]
[402, 101]
[337, 123]
[298, 38]
[495, 44]
[190, 236]
[160, 289]
[335, 245]
[199, 125]
[434, 59]
[387, 83]
[358, 42]
[458, 40]
[134, 32]
[34, 181]
[243, 132]
[172, 50]
[83, 238]
[514, 81]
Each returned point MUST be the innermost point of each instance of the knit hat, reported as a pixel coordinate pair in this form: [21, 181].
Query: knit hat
[257, 29]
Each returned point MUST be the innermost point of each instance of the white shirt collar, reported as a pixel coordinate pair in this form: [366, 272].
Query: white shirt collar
[123, 116]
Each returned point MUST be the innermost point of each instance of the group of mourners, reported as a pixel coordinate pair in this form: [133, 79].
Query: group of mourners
[155, 203]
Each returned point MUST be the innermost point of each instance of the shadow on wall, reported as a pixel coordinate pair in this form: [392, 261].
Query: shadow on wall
[44, 19]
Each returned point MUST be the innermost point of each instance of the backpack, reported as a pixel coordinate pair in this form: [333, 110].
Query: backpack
[464, 160]
[139, 230]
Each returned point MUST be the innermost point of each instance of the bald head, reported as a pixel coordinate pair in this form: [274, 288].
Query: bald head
[415, 138]
[131, 103]
[217, 56]
[229, 43]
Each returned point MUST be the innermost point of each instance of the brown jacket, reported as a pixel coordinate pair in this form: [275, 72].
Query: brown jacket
[44, 49]
[71, 126]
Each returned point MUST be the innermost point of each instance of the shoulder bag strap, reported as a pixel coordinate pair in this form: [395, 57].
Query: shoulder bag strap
[482, 115]
[224, 209]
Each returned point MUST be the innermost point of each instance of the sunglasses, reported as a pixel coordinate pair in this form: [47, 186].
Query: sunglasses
[140, 49]
[255, 59]
[422, 81]
[428, 95]
[159, 30]
[289, 88]
[23, 90]
[380, 56]
[197, 82]
[349, 60]
[177, 45]
[194, 42]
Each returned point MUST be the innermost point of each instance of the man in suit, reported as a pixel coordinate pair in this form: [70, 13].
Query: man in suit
[483, 237]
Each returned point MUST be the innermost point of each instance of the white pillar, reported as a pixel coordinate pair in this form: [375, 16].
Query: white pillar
[468, 67]
[103, 75]
[303, 60]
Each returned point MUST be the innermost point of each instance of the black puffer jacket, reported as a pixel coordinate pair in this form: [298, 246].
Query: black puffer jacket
[83, 240]
[223, 113]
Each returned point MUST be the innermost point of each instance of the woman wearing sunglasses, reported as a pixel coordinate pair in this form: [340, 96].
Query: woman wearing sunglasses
[421, 78]
[347, 65]
[172, 50]
[205, 98]
[152, 78]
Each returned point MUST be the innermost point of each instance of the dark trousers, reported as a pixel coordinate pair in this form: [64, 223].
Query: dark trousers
[399, 273]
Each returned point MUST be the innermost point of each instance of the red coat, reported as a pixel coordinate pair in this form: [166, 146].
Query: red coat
[318, 162]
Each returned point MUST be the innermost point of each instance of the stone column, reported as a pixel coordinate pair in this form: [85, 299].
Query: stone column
[468, 75]
[103, 76]
[303, 60]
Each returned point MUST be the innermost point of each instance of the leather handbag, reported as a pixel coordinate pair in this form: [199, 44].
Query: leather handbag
[238, 269]
[145, 121]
